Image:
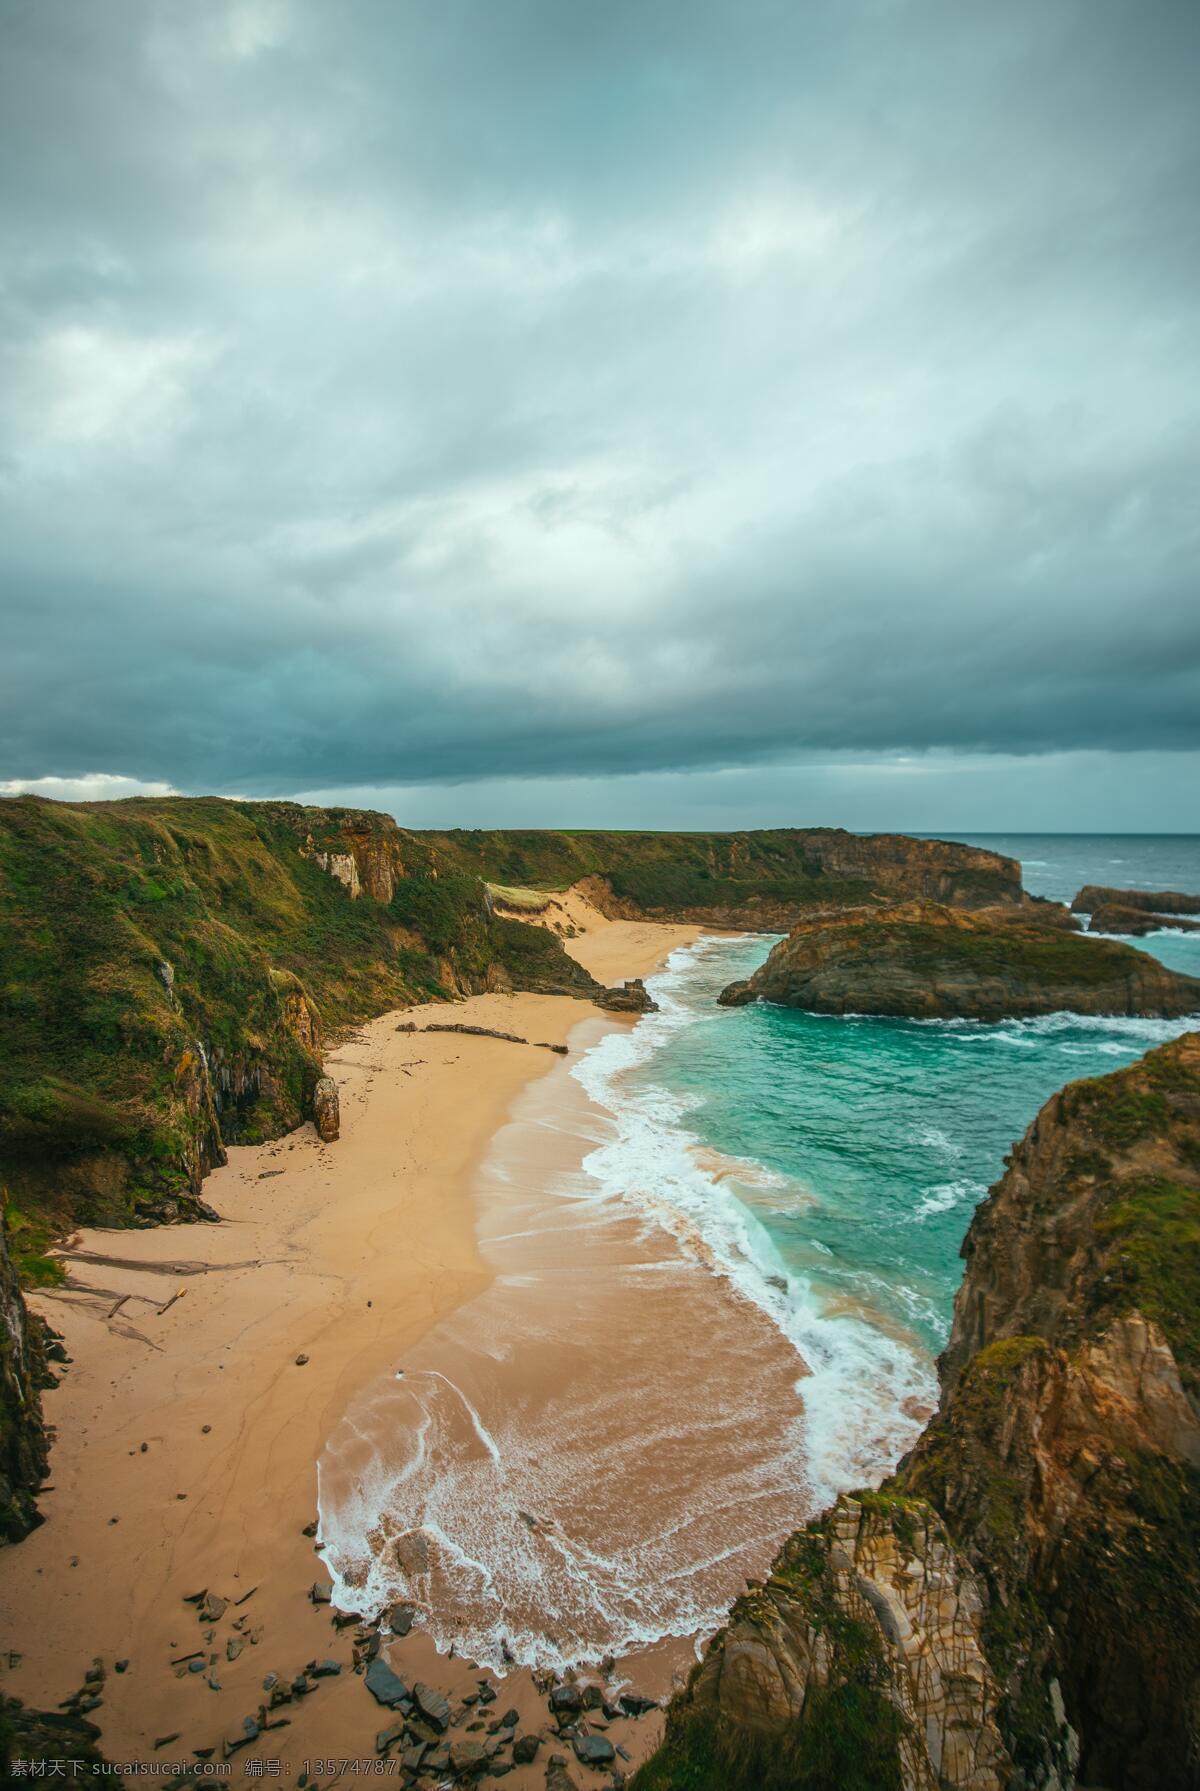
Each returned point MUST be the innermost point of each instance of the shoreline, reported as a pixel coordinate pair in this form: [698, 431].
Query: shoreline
[187, 1432]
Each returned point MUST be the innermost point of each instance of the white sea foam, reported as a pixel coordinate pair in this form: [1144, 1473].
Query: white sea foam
[933, 1138]
[855, 1376]
[945, 1197]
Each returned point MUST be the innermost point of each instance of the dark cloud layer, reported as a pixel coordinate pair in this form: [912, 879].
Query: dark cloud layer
[403, 394]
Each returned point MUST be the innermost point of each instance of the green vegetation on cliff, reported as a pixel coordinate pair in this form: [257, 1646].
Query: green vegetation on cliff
[769, 875]
[170, 968]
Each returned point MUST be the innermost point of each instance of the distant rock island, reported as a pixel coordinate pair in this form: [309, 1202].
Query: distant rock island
[1136, 911]
[925, 960]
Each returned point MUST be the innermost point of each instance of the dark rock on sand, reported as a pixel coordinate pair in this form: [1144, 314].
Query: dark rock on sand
[594, 1750]
[566, 1700]
[384, 1686]
[467, 1757]
[525, 1749]
[433, 1706]
[633, 1705]
[630, 998]
[557, 1776]
[386, 1738]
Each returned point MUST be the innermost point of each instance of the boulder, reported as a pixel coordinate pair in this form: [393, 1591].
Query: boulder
[594, 1750]
[557, 1776]
[633, 1705]
[433, 1706]
[326, 1113]
[631, 998]
[467, 1757]
[566, 1700]
[384, 1686]
[525, 1749]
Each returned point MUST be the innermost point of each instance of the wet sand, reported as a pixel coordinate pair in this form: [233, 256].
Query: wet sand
[185, 1340]
[593, 1453]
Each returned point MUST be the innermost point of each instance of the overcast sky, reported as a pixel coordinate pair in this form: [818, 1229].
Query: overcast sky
[549, 411]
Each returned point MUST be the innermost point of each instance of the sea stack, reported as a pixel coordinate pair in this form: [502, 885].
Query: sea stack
[924, 961]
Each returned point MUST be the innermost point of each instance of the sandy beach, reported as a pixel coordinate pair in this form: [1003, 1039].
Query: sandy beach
[209, 1365]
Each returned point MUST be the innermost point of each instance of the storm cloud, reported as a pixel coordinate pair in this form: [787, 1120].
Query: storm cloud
[396, 394]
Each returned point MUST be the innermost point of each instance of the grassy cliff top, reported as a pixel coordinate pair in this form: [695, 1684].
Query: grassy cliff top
[169, 968]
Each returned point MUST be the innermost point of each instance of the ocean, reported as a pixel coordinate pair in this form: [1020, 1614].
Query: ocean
[720, 1307]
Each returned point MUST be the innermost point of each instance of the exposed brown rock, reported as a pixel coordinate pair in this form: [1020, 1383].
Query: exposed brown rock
[921, 960]
[326, 1114]
[1154, 901]
[631, 998]
[872, 1596]
[1113, 917]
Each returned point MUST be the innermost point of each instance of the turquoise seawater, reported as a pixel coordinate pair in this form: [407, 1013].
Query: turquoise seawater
[829, 1166]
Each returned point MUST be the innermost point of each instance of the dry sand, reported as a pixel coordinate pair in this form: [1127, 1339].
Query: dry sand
[187, 1433]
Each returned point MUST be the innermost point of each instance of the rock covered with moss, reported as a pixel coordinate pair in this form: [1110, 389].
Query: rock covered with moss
[1019, 1605]
[922, 960]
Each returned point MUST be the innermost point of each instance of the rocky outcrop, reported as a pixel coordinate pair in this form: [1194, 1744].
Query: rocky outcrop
[1019, 1605]
[1151, 901]
[859, 1664]
[631, 998]
[921, 960]
[869, 1612]
[326, 1110]
[57, 1744]
[22, 1376]
[1111, 917]
[1066, 1453]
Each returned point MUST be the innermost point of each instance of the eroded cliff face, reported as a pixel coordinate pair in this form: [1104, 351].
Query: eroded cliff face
[858, 1663]
[923, 960]
[1019, 1605]
[22, 1376]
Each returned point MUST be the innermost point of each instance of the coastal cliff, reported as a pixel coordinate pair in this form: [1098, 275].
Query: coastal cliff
[1018, 1607]
[923, 960]
[758, 881]
[174, 970]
